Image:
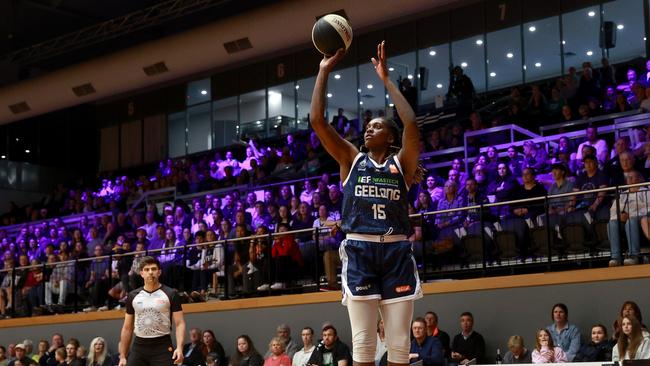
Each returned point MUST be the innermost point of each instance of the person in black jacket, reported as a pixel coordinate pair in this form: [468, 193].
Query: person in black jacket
[194, 352]
[246, 354]
[432, 329]
[468, 344]
[330, 350]
[599, 349]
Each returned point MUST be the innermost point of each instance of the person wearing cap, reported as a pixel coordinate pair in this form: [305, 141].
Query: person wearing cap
[21, 355]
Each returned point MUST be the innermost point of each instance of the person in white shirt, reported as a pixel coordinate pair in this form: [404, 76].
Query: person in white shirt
[301, 357]
[592, 140]
[632, 343]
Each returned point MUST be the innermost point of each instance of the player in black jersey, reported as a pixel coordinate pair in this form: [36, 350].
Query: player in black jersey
[149, 313]
[379, 272]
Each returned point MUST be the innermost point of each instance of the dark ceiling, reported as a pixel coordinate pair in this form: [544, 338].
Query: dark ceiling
[26, 23]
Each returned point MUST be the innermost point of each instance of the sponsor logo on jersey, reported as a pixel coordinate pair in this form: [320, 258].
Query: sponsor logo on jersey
[402, 289]
[362, 166]
[393, 169]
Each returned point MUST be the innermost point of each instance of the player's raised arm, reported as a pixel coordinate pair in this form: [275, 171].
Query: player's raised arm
[409, 155]
[341, 150]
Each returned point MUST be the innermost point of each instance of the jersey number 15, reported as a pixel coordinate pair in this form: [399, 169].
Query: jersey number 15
[378, 211]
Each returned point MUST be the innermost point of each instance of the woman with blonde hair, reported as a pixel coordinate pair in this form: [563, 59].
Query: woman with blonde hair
[545, 351]
[632, 343]
[517, 351]
[278, 357]
[97, 353]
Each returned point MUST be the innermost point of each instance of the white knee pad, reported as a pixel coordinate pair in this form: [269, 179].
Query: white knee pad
[397, 325]
[363, 322]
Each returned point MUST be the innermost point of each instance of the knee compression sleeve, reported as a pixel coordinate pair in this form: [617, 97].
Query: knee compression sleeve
[363, 322]
[397, 324]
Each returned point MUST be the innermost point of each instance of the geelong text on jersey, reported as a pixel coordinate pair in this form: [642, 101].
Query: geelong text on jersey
[363, 190]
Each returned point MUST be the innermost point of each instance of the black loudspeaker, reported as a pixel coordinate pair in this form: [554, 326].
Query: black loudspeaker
[424, 77]
[608, 35]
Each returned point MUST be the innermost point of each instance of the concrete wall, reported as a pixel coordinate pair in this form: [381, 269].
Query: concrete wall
[498, 314]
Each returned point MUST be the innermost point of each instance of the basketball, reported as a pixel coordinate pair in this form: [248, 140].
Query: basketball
[330, 33]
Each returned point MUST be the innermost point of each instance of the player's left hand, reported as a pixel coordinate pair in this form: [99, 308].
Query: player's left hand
[177, 356]
[380, 62]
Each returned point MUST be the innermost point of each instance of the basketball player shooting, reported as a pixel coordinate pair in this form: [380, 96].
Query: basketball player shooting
[379, 273]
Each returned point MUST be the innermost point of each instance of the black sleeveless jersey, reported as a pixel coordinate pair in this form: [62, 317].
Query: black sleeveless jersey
[375, 198]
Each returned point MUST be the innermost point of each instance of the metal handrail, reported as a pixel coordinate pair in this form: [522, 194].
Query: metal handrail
[579, 122]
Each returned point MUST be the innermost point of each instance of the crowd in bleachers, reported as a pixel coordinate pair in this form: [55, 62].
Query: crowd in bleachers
[559, 342]
[272, 263]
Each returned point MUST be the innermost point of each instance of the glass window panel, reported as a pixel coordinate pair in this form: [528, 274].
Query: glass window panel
[176, 134]
[542, 49]
[435, 60]
[504, 68]
[305, 88]
[282, 108]
[628, 16]
[342, 93]
[199, 133]
[198, 91]
[402, 67]
[252, 112]
[581, 37]
[371, 91]
[225, 121]
[468, 54]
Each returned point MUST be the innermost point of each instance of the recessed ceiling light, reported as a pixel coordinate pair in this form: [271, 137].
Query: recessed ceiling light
[297, 87]
[591, 13]
[432, 53]
[538, 64]
[337, 76]
[510, 55]
[590, 53]
[3, 157]
[409, 76]
[391, 69]
[620, 26]
[329, 95]
[369, 86]
[479, 42]
[563, 42]
[361, 102]
[259, 122]
[391, 105]
[493, 74]
[27, 151]
[387, 96]
[358, 90]
[204, 92]
[532, 28]
[439, 86]
[463, 64]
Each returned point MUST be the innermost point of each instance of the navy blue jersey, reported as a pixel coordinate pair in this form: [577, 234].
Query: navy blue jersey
[375, 198]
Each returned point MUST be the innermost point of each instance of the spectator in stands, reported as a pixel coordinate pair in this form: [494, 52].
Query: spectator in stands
[537, 107]
[545, 349]
[21, 356]
[213, 348]
[425, 348]
[3, 356]
[535, 156]
[567, 114]
[424, 203]
[588, 87]
[381, 355]
[435, 141]
[471, 196]
[339, 121]
[194, 352]
[598, 349]
[98, 353]
[564, 334]
[461, 88]
[632, 206]
[607, 74]
[524, 214]
[637, 96]
[645, 104]
[260, 216]
[517, 351]
[301, 356]
[555, 104]
[335, 201]
[458, 166]
[71, 358]
[592, 178]
[468, 344]
[246, 354]
[330, 343]
[446, 223]
[60, 281]
[277, 357]
[622, 104]
[97, 284]
[433, 330]
[286, 257]
[514, 161]
[629, 308]
[434, 191]
[632, 343]
[259, 265]
[308, 190]
[558, 207]
[502, 188]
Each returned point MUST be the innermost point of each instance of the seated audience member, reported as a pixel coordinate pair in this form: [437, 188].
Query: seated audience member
[535, 156]
[60, 281]
[561, 185]
[71, 358]
[446, 223]
[98, 353]
[213, 348]
[468, 344]
[629, 308]
[21, 356]
[432, 188]
[593, 140]
[545, 349]
[502, 188]
[381, 355]
[292, 346]
[301, 356]
[286, 257]
[592, 203]
[598, 349]
[194, 351]
[517, 352]
[277, 357]
[514, 161]
[564, 334]
[246, 354]
[433, 330]
[618, 167]
[425, 348]
[633, 206]
[259, 266]
[330, 350]
[632, 343]
[523, 212]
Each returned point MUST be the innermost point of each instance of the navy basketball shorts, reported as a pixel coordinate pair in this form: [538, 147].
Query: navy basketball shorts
[385, 271]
